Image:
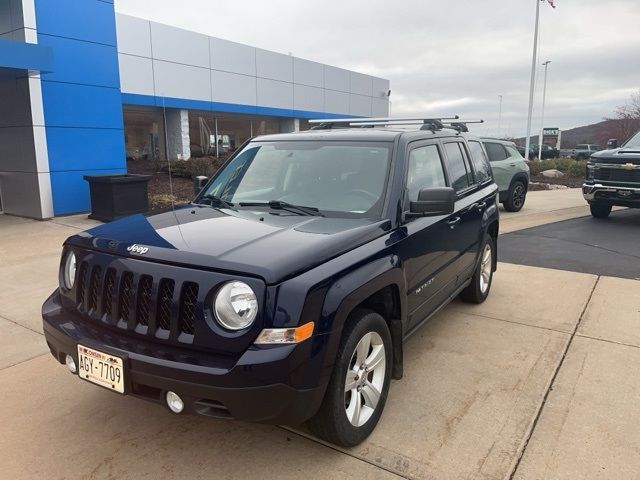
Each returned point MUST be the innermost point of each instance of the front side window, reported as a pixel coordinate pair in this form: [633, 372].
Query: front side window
[424, 170]
[480, 163]
[343, 179]
[495, 151]
[459, 172]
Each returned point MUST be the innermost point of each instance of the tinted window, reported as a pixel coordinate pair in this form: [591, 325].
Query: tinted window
[513, 152]
[425, 170]
[459, 172]
[582, 147]
[495, 151]
[480, 163]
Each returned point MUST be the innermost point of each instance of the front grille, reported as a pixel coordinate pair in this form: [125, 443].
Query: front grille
[94, 285]
[126, 294]
[139, 303]
[188, 308]
[617, 175]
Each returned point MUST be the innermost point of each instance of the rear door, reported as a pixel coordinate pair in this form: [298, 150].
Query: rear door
[500, 164]
[466, 221]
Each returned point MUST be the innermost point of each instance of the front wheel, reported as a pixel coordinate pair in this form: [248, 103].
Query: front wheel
[478, 290]
[599, 210]
[515, 197]
[359, 384]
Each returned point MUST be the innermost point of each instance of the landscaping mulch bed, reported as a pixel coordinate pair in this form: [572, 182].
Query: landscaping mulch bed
[540, 182]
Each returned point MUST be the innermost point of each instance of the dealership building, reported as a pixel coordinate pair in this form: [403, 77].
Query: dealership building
[83, 88]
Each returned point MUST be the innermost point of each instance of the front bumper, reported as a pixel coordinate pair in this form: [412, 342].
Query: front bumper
[623, 196]
[209, 384]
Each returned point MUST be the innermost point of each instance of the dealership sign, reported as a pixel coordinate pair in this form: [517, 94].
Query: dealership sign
[551, 132]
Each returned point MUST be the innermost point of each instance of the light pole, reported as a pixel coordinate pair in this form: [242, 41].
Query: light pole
[499, 113]
[544, 97]
[532, 81]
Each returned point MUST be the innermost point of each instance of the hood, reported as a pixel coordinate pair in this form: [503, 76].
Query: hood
[267, 244]
[617, 155]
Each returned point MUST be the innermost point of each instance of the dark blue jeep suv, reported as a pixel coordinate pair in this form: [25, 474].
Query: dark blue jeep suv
[284, 292]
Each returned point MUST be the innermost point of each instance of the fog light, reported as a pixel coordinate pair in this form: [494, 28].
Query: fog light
[71, 363]
[174, 402]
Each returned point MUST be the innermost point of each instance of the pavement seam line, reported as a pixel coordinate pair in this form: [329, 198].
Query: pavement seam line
[20, 325]
[484, 315]
[338, 449]
[25, 360]
[598, 339]
[532, 428]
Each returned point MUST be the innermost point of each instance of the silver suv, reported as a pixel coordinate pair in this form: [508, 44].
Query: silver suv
[510, 172]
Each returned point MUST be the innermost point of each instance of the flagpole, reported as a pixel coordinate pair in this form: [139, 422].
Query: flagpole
[544, 97]
[532, 81]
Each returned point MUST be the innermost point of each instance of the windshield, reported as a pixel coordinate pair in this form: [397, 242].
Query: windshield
[634, 142]
[342, 179]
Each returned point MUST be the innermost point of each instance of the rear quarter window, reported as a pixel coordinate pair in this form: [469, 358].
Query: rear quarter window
[495, 151]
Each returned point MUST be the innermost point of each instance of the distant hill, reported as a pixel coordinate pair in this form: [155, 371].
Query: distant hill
[597, 133]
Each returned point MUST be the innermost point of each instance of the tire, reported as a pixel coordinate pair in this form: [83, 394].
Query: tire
[516, 196]
[331, 422]
[600, 210]
[478, 290]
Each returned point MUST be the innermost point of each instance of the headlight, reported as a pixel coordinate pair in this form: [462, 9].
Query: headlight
[69, 270]
[235, 305]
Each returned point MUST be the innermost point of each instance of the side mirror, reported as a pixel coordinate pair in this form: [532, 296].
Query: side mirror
[198, 183]
[612, 143]
[433, 201]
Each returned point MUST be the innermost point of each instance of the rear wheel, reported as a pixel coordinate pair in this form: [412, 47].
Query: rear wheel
[359, 384]
[516, 196]
[600, 210]
[478, 289]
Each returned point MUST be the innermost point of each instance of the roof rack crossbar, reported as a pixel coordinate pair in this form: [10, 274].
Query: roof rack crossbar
[379, 119]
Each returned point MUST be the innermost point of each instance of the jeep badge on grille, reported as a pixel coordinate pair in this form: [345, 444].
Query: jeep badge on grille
[139, 249]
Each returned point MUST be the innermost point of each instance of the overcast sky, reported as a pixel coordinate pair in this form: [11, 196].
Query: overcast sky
[446, 56]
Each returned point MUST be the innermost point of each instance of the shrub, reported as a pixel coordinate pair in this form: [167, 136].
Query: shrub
[577, 169]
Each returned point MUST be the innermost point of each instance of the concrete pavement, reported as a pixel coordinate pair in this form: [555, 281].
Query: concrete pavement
[538, 382]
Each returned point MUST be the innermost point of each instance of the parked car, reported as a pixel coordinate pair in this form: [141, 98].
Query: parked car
[584, 151]
[510, 171]
[547, 151]
[612, 178]
[285, 291]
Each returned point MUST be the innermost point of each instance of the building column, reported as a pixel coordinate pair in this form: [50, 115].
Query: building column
[178, 140]
[288, 125]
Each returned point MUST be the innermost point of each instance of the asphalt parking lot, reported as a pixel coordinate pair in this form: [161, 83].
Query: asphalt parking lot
[540, 381]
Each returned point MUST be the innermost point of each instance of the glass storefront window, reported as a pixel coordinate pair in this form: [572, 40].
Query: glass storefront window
[144, 133]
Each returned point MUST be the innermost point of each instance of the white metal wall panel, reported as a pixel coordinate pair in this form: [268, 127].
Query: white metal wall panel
[272, 93]
[336, 102]
[359, 105]
[306, 72]
[274, 66]
[233, 88]
[336, 78]
[136, 74]
[380, 87]
[134, 35]
[232, 57]
[361, 84]
[181, 81]
[180, 46]
[308, 98]
[379, 107]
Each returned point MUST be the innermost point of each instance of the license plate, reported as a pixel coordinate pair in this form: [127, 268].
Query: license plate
[101, 368]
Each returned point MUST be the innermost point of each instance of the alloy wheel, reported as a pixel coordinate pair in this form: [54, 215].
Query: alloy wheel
[485, 268]
[518, 196]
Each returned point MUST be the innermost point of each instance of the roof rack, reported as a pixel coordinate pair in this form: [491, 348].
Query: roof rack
[462, 126]
[428, 123]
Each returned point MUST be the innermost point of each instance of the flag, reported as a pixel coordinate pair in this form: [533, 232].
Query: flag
[552, 3]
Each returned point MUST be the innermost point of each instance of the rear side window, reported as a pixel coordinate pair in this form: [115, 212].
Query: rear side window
[480, 163]
[425, 170]
[495, 151]
[457, 166]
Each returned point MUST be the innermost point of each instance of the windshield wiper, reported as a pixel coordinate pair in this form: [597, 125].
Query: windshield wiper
[289, 207]
[220, 201]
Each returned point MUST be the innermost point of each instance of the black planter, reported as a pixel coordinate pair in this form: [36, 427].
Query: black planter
[116, 196]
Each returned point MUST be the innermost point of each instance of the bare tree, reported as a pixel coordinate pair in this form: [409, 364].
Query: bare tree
[626, 119]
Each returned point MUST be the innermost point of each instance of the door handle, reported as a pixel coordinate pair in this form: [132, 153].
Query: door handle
[479, 205]
[453, 222]
[512, 164]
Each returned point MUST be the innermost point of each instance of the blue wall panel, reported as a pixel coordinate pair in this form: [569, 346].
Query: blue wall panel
[82, 62]
[71, 190]
[88, 20]
[84, 106]
[86, 148]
